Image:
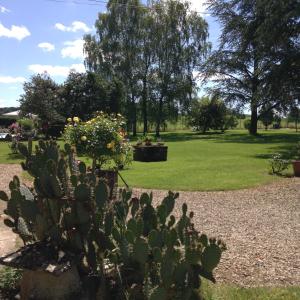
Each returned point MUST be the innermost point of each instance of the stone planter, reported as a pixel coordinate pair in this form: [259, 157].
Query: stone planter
[296, 167]
[150, 153]
[46, 276]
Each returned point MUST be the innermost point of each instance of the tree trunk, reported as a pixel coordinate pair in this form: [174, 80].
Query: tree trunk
[253, 123]
[144, 107]
[134, 131]
[158, 121]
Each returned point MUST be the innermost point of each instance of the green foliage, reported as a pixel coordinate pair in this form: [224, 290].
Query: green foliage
[154, 52]
[41, 97]
[254, 63]
[169, 255]
[278, 164]
[247, 124]
[9, 279]
[267, 117]
[211, 114]
[26, 124]
[101, 138]
[84, 93]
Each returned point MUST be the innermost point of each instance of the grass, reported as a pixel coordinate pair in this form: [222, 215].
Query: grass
[229, 292]
[229, 161]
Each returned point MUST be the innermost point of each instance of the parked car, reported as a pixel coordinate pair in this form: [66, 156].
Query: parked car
[5, 136]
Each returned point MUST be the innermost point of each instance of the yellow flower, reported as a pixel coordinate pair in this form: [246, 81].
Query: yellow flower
[83, 138]
[110, 145]
[76, 119]
[69, 120]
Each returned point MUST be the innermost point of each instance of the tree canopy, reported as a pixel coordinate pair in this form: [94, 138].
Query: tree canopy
[154, 50]
[257, 63]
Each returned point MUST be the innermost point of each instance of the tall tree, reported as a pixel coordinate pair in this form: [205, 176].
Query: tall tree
[154, 50]
[114, 50]
[180, 43]
[41, 97]
[84, 93]
[248, 64]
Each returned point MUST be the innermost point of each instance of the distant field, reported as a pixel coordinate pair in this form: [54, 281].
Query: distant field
[233, 160]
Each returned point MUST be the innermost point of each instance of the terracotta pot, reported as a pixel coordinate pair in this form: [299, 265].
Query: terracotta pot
[296, 167]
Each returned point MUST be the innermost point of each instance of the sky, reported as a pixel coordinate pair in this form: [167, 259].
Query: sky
[46, 35]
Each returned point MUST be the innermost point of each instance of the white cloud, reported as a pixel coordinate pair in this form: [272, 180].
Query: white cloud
[47, 47]
[73, 49]
[16, 32]
[4, 9]
[198, 5]
[10, 79]
[62, 71]
[75, 26]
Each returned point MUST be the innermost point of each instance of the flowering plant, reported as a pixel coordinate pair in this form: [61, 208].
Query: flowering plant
[102, 138]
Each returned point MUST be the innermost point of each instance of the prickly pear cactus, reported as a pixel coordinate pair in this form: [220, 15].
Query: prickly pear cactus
[67, 205]
[169, 255]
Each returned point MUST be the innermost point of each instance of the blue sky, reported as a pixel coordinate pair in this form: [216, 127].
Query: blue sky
[45, 35]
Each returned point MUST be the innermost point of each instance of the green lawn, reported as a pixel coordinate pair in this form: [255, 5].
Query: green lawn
[233, 160]
[228, 161]
[231, 292]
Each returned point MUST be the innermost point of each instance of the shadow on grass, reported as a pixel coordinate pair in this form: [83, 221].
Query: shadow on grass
[14, 156]
[233, 137]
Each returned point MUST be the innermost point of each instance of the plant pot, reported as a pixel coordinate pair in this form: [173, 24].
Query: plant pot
[296, 167]
[150, 153]
[111, 178]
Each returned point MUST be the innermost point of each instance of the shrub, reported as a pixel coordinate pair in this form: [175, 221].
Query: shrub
[209, 114]
[101, 138]
[247, 124]
[138, 250]
[10, 279]
[26, 124]
[278, 164]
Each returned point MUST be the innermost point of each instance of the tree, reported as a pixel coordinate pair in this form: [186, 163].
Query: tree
[154, 50]
[41, 97]
[267, 117]
[209, 114]
[294, 115]
[252, 68]
[180, 45]
[114, 50]
[84, 93]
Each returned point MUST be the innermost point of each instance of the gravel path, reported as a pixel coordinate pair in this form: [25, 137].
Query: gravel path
[261, 228]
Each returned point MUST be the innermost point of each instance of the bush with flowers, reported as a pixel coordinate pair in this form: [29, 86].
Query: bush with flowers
[102, 138]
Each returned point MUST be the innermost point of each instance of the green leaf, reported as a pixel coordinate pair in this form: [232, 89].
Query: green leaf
[23, 149]
[158, 293]
[82, 192]
[82, 167]
[140, 251]
[211, 257]
[101, 194]
[3, 196]
[9, 223]
[129, 236]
